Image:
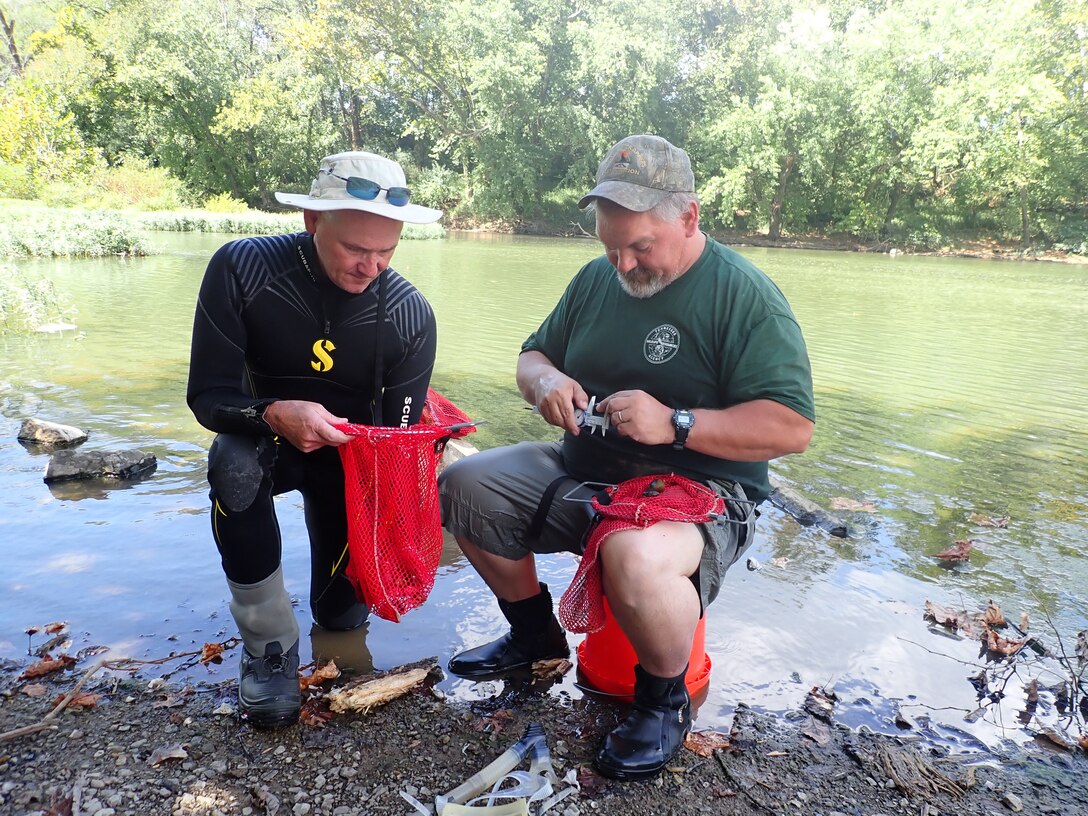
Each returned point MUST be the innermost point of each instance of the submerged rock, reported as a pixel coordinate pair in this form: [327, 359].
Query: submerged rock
[69, 465]
[44, 432]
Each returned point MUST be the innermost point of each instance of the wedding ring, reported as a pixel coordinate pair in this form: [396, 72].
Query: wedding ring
[619, 417]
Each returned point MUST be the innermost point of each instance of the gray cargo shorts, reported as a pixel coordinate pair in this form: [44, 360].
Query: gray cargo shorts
[491, 497]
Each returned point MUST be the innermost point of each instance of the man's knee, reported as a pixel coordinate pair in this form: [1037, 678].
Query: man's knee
[236, 467]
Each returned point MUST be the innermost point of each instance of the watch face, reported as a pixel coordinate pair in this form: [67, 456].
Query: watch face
[683, 419]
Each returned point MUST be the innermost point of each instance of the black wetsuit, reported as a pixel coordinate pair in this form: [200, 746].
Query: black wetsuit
[269, 326]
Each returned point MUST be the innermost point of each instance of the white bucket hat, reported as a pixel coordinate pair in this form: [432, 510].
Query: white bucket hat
[330, 189]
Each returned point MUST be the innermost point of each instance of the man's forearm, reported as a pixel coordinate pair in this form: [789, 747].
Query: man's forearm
[755, 431]
[533, 368]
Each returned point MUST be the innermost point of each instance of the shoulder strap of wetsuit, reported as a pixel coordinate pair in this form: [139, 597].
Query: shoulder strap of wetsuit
[376, 398]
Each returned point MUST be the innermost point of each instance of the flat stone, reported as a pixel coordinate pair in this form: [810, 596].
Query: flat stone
[68, 465]
[44, 432]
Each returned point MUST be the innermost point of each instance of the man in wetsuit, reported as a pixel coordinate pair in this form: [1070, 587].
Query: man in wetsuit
[701, 369]
[293, 335]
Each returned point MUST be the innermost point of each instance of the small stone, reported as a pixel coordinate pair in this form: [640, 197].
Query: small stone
[76, 734]
[1012, 802]
[301, 809]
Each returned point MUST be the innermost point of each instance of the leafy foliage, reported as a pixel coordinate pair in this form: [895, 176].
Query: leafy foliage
[906, 121]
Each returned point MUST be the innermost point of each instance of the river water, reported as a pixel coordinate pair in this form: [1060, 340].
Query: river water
[945, 388]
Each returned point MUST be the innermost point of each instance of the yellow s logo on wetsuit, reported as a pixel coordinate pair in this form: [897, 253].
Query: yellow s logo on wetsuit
[321, 352]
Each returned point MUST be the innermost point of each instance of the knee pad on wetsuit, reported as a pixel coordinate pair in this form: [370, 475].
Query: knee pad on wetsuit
[236, 467]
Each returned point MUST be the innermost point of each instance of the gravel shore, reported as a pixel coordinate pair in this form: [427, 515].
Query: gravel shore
[157, 748]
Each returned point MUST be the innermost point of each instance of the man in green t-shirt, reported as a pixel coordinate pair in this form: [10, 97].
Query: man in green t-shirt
[693, 361]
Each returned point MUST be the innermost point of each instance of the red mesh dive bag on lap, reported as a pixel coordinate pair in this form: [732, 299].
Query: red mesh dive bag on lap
[391, 493]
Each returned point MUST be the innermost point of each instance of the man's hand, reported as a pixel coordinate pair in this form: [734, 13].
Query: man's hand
[553, 393]
[638, 416]
[306, 425]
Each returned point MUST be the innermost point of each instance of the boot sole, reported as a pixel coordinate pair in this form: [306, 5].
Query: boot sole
[624, 775]
[517, 668]
[268, 719]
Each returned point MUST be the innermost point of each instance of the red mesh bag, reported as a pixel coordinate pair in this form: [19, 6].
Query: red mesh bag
[391, 492]
[636, 503]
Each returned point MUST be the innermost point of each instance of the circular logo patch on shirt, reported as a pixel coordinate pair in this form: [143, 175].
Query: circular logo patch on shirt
[661, 344]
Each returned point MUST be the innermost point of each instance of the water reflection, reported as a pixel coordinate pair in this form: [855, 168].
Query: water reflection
[944, 388]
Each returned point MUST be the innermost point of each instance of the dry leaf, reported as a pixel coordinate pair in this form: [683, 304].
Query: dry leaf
[1006, 646]
[1024, 621]
[957, 620]
[552, 669]
[986, 521]
[166, 752]
[590, 783]
[319, 675]
[817, 731]
[47, 665]
[79, 701]
[1032, 690]
[820, 703]
[495, 722]
[315, 713]
[1082, 647]
[994, 616]
[1056, 738]
[777, 753]
[840, 503]
[56, 627]
[171, 701]
[723, 792]
[35, 690]
[705, 743]
[780, 562]
[959, 551]
[212, 653]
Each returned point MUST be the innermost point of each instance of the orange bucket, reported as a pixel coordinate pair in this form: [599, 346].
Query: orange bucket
[607, 659]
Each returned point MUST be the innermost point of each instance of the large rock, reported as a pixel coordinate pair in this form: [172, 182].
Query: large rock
[44, 432]
[68, 465]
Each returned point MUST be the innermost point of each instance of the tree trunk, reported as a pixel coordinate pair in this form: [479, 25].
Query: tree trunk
[894, 195]
[1025, 216]
[774, 232]
[13, 49]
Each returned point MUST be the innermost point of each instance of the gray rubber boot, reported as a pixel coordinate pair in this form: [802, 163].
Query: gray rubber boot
[268, 688]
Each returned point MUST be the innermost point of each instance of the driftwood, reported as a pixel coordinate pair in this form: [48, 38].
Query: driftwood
[365, 696]
[805, 511]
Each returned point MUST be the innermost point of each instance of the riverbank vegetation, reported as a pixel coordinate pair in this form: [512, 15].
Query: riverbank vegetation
[28, 229]
[905, 123]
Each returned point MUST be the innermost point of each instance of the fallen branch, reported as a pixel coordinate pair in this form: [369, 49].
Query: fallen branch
[366, 696]
[46, 721]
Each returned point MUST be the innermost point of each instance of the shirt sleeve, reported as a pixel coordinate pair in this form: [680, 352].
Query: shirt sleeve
[774, 365]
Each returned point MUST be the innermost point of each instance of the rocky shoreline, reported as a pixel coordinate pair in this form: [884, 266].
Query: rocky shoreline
[165, 748]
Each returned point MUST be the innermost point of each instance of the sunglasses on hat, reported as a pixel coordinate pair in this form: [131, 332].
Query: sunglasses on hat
[368, 190]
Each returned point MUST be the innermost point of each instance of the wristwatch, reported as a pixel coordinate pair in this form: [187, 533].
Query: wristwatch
[683, 421]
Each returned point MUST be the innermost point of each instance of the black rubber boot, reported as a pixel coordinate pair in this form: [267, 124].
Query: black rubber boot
[653, 732]
[269, 694]
[534, 634]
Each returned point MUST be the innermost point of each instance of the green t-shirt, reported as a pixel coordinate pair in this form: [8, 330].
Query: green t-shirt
[720, 334]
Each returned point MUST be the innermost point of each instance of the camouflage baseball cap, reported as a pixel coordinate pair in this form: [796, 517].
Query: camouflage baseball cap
[639, 171]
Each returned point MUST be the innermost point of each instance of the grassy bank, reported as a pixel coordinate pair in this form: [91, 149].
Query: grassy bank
[30, 230]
